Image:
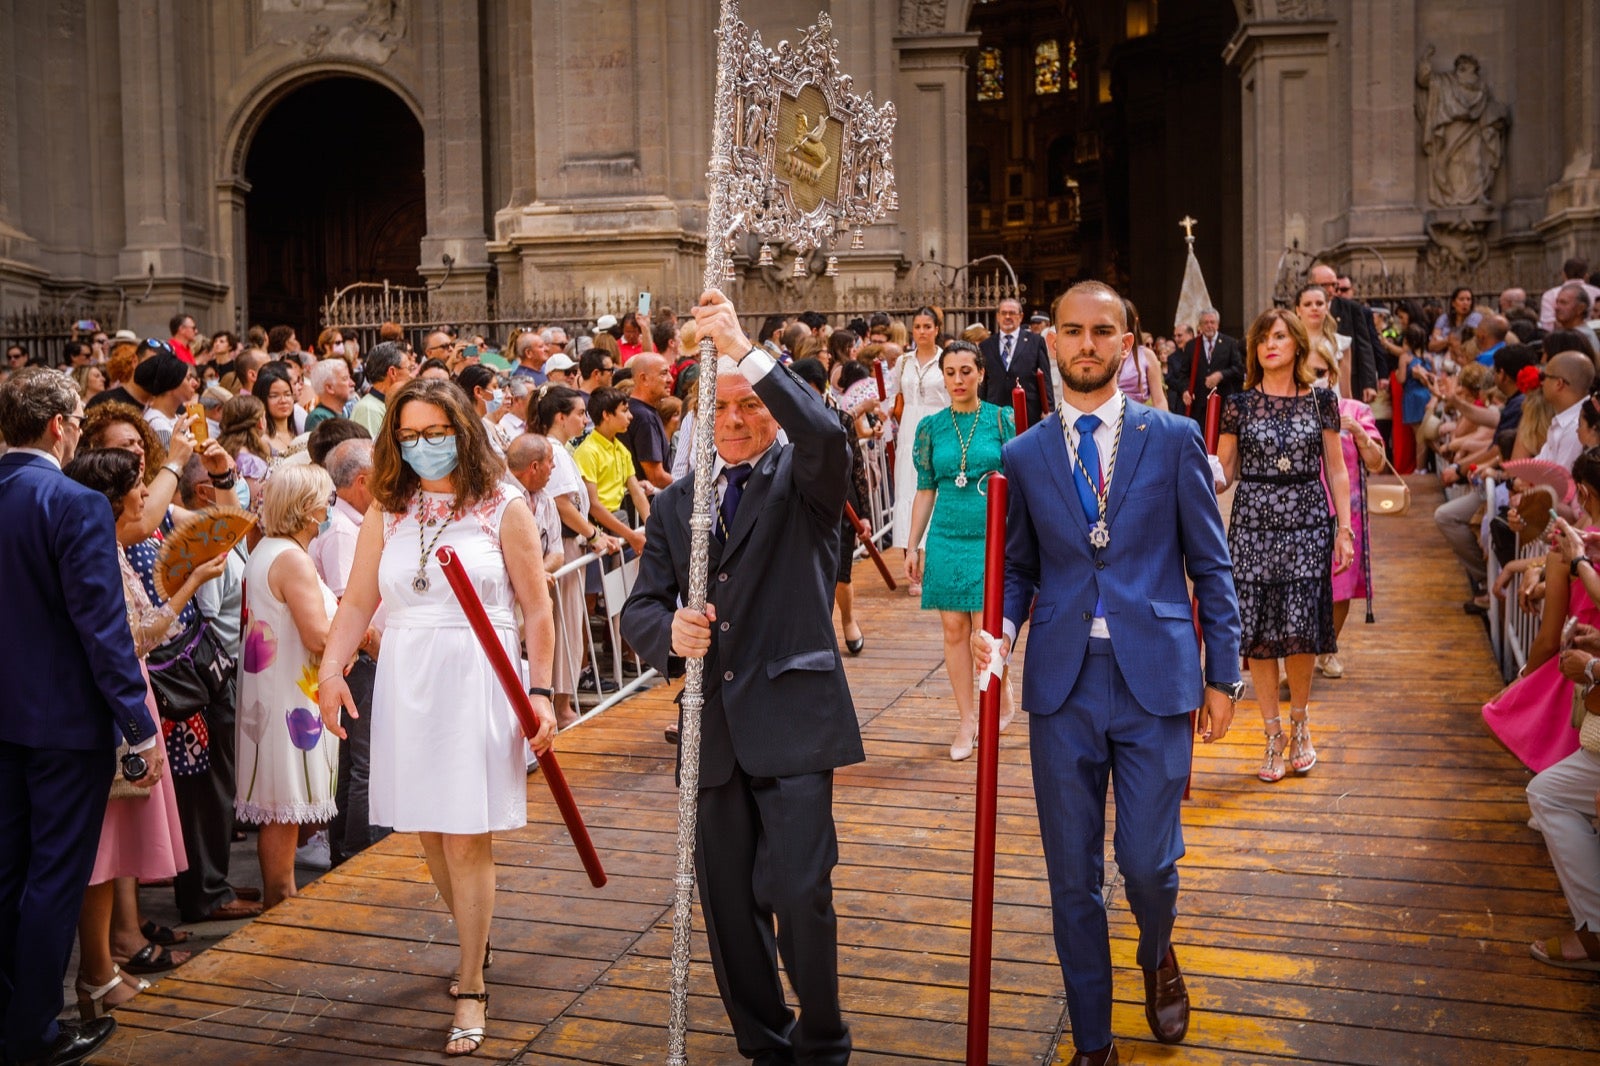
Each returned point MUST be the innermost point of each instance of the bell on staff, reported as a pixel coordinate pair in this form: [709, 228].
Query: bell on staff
[765, 258]
[894, 201]
[727, 272]
[833, 267]
[799, 266]
[858, 239]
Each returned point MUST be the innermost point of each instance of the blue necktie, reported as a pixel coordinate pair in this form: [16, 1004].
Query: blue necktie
[1088, 459]
[736, 477]
[1005, 350]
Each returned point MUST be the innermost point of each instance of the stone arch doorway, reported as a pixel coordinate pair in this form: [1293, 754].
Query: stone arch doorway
[337, 195]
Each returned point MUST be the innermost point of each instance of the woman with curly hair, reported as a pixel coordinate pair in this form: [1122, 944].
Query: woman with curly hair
[439, 714]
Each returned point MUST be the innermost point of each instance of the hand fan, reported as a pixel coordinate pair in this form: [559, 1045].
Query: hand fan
[1543, 472]
[206, 534]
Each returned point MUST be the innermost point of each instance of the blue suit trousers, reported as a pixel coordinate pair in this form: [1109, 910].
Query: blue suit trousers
[1102, 732]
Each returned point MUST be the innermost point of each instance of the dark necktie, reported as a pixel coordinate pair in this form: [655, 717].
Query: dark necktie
[1005, 350]
[735, 477]
[1089, 459]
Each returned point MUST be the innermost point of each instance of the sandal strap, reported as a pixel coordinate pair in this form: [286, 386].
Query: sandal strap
[481, 997]
[98, 992]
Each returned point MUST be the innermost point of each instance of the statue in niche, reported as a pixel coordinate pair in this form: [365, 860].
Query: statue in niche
[1463, 131]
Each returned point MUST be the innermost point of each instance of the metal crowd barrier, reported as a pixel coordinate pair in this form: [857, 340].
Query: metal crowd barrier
[567, 596]
[1511, 629]
[880, 493]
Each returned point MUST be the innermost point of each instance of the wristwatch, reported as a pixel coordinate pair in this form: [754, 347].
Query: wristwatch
[1231, 689]
[134, 766]
[546, 693]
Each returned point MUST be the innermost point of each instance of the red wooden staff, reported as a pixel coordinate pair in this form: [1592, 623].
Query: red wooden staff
[864, 535]
[461, 585]
[1044, 392]
[1019, 406]
[980, 952]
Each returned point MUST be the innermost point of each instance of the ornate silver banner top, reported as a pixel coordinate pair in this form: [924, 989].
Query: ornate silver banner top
[809, 157]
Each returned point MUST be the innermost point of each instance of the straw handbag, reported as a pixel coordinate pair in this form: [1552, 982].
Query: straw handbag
[1386, 499]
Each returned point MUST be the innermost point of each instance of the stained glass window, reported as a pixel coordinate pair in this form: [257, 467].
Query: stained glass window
[1047, 67]
[1072, 65]
[991, 75]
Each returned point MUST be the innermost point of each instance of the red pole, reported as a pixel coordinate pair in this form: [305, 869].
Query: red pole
[981, 950]
[883, 397]
[467, 596]
[1044, 392]
[1213, 422]
[864, 535]
[1019, 406]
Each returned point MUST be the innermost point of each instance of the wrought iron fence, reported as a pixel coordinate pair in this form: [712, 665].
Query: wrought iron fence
[1424, 281]
[44, 334]
[363, 308]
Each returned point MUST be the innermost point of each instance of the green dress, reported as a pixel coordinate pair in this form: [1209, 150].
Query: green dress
[952, 578]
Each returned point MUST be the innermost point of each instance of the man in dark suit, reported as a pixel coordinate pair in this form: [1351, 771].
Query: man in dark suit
[1013, 354]
[1211, 362]
[777, 716]
[1354, 320]
[72, 681]
[1111, 507]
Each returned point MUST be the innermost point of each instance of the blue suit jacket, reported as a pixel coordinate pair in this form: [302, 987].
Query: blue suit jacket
[1164, 524]
[66, 652]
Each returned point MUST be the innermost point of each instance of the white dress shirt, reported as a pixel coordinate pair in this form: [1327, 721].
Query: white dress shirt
[1006, 354]
[334, 552]
[1561, 445]
[1105, 438]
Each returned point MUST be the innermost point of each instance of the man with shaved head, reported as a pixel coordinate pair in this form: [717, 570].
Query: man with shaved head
[645, 436]
[777, 717]
[1565, 383]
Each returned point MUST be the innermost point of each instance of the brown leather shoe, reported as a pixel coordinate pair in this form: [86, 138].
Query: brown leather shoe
[1106, 1056]
[1166, 1001]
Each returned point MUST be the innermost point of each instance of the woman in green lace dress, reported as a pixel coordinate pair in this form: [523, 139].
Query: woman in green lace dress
[955, 450]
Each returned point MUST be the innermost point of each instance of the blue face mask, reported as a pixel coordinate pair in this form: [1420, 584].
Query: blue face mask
[430, 460]
[322, 526]
[492, 404]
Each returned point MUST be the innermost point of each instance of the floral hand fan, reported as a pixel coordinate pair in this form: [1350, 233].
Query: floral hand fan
[208, 533]
[1543, 472]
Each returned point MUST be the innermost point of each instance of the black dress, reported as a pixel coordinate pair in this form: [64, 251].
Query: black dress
[1281, 535]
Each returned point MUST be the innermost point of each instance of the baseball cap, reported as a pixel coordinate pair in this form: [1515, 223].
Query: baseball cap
[605, 322]
[559, 361]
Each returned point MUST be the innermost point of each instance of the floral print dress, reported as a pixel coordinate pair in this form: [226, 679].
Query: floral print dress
[287, 764]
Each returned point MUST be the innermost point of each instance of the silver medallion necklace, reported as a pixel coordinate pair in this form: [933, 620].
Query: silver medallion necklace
[420, 584]
[1284, 463]
[1100, 531]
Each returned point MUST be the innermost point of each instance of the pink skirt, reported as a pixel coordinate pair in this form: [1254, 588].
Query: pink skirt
[141, 837]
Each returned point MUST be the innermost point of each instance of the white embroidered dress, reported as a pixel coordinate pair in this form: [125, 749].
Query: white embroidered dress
[922, 385]
[448, 755]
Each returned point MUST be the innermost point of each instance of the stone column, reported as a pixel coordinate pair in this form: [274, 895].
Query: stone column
[164, 150]
[1571, 223]
[931, 145]
[1288, 188]
[453, 151]
[1378, 136]
[20, 273]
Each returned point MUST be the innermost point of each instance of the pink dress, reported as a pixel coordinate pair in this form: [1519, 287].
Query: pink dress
[1532, 716]
[1351, 583]
[142, 837]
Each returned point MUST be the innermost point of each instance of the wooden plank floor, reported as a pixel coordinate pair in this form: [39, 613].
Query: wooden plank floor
[1376, 911]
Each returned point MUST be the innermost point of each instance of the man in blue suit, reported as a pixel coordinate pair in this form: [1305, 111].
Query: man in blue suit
[1111, 505]
[71, 682]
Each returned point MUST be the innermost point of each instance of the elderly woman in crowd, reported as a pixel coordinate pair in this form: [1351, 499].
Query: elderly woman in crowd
[140, 837]
[953, 451]
[1280, 439]
[287, 763]
[439, 713]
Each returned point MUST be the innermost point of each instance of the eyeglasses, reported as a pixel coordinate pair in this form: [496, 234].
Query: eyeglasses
[76, 420]
[1546, 376]
[433, 434]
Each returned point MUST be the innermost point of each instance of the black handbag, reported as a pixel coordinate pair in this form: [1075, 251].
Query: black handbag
[190, 673]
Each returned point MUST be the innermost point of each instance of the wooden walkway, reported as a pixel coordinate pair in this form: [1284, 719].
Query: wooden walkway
[1377, 911]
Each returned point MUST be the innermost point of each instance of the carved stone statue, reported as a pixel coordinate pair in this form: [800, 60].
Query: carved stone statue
[1463, 131]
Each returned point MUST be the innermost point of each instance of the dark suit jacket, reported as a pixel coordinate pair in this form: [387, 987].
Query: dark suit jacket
[1355, 322]
[1227, 356]
[776, 698]
[1031, 354]
[65, 649]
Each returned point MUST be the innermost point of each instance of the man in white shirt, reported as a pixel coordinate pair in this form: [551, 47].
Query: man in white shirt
[531, 460]
[518, 395]
[333, 552]
[1573, 270]
[1565, 384]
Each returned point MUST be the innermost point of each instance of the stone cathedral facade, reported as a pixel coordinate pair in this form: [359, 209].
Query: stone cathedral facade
[241, 159]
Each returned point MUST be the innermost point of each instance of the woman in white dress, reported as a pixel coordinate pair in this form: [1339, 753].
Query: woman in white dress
[287, 764]
[921, 387]
[448, 755]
